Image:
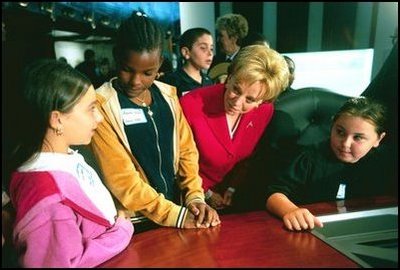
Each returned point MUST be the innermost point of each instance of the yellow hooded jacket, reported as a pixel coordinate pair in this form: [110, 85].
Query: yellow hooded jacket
[124, 176]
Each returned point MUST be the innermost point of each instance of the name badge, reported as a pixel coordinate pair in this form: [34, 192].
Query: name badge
[133, 116]
[341, 194]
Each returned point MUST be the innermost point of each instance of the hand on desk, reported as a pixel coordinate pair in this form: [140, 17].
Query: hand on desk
[228, 196]
[221, 202]
[295, 218]
[216, 201]
[201, 215]
[301, 219]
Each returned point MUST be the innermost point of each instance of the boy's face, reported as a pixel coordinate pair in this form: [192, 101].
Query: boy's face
[201, 54]
[353, 137]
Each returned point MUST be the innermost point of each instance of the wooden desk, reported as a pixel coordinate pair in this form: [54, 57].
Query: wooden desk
[254, 239]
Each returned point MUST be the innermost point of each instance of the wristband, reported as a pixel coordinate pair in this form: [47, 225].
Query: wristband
[208, 194]
[231, 189]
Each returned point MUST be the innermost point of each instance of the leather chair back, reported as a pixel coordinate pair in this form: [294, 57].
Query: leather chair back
[302, 117]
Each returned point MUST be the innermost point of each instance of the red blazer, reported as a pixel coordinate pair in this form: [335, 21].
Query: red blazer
[204, 110]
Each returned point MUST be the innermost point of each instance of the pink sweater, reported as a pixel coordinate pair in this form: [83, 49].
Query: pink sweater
[57, 225]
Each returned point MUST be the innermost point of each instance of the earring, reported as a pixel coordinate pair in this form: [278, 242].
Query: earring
[58, 131]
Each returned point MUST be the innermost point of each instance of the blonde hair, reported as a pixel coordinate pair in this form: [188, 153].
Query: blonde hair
[258, 63]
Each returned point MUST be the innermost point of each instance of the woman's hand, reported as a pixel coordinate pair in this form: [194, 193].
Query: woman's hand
[216, 201]
[228, 196]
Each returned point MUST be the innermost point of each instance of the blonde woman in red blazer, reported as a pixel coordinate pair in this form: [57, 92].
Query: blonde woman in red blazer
[228, 119]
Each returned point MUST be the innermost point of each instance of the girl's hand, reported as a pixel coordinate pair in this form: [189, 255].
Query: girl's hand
[203, 215]
[301, 219]
[123, 214]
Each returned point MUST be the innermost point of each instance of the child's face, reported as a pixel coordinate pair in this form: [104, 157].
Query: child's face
[353, 137]
[81, 123]
[138, 71]
[104, 69]
[201, 54]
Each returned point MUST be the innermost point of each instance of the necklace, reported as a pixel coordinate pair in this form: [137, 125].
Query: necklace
[144, 104]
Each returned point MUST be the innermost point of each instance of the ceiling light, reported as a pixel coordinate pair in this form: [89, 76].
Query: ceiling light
[23, 4]
[68, 12]
[105, 20]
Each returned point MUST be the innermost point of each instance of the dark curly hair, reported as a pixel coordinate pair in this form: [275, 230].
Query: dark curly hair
[366, 108]
[138, 33]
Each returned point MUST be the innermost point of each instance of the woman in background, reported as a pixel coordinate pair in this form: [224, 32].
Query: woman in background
[232, 29]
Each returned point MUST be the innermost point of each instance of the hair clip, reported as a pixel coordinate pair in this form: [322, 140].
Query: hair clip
[357, 99]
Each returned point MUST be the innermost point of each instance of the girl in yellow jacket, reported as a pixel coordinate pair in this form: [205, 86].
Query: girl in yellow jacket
[144, 146]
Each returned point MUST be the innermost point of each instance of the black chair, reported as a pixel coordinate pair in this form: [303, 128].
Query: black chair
[302, 117]
[385, 89]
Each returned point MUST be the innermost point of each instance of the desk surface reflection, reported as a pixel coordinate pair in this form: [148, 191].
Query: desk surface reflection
[253, 239]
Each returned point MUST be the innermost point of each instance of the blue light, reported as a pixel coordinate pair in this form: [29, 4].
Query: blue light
[165, 12]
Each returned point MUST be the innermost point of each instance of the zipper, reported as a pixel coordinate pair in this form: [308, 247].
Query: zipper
[150, 113]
